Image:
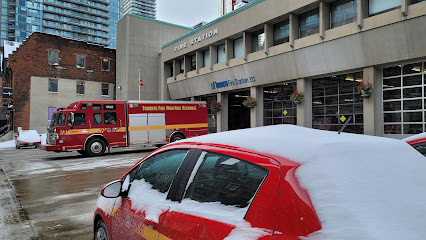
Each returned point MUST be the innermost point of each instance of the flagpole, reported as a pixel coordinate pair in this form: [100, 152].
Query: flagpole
[139, 84]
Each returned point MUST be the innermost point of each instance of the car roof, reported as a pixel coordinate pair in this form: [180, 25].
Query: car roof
[418, 138]
[362, 187]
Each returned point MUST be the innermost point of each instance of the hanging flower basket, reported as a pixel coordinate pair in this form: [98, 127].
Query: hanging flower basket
[365, 90]
[249, 102]
[297, 97]
[216, 106]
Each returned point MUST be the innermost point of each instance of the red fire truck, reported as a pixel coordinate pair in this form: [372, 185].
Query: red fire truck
[90, 127]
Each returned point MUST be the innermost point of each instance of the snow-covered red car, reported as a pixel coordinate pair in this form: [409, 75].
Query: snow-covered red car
[418, 142]
[275, 182]
[27, 138]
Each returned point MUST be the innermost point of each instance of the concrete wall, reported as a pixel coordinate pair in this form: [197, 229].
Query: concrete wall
[139, 41]
[41, 99]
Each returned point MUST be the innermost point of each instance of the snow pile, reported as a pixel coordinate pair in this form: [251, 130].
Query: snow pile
[28, 136]
[8, 144]
[362, 187]
[43, 138]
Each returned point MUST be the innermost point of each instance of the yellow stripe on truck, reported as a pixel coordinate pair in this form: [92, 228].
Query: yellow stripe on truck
[195, 125]
[138, 128]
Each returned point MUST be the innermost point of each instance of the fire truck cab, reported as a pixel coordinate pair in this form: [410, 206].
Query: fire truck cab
[90, 127]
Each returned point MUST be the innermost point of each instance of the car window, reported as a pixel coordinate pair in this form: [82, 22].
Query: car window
[421, 147]
[158, 171]
[224, 179]
[79, 119]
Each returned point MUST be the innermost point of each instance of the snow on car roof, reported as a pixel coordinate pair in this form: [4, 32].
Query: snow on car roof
[415, 137]
[28, 136]
[362, 187]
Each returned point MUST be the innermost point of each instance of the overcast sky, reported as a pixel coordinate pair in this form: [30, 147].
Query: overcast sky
[187, 12]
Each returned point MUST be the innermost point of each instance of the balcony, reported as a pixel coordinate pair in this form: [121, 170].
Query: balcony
[105, 22]
[83, 3]
[106, 29]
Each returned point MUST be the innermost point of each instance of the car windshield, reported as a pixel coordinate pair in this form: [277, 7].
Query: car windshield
[58, 119]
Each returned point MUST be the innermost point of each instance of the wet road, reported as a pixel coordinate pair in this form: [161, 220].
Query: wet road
[46, 195]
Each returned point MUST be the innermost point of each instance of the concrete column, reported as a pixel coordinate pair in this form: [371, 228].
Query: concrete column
[229, 50]
[199, 58]
[269, 37]
[304, 109]
[294, 28]
[404, 7]
[362, 12]
[187, 64]
[176, 67]
[247, 44]
[324, 14]
[222, 115]
[167, 70]
[213, 56]
[256, 113]
[373, 117]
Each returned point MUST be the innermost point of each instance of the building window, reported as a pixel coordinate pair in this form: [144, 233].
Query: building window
[257, 41]
[80, 87]
[211, 113]
[193, 62]
[206, 58]
[404, 99]
[53, 85]
[281, 32]
[380, 6]
[105, 89]
[342, 12]
[238, 47]
[221, 55]
[182, 66]
[416, 1]
[81, 61]
[309, 23]
[277, 107]
[334, 100]
[53, 57]
[105, 64]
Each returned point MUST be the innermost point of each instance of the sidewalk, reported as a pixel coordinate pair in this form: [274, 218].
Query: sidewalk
[12, 225]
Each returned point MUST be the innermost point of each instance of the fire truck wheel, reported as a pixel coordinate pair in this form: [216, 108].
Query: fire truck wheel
[95, 147]
[177, 137]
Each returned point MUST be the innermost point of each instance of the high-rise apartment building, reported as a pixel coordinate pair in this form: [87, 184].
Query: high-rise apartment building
[93, 21]
[227, 6]
[145, 8]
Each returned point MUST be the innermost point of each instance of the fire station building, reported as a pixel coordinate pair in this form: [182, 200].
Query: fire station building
[326, 50]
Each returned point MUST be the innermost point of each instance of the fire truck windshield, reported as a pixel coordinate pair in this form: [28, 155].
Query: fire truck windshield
[58, 119]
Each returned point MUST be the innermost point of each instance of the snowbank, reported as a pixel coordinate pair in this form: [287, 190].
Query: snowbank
[362, 187]
[8, 144]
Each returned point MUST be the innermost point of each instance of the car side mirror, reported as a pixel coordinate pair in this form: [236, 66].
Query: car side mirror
[112, 189]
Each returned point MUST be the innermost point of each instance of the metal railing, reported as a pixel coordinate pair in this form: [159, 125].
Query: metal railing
[5, 130]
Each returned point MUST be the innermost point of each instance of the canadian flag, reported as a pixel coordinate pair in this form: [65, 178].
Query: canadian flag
[140, 82]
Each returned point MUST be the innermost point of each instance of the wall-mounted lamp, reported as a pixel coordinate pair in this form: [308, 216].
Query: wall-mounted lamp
[119, 87]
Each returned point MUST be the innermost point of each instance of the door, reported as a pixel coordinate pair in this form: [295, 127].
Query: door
[157, 127]
[147, 186]
[138, 130]
[222, 194]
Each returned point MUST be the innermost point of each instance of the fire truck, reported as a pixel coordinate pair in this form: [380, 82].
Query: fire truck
[91, 127]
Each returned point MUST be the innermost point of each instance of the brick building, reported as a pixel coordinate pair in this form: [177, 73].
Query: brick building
[48, 72]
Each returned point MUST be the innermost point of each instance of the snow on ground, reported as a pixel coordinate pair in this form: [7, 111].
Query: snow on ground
[362, 187]
[8, 144]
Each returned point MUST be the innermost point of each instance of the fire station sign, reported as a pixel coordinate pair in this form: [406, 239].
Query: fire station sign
[7, 93]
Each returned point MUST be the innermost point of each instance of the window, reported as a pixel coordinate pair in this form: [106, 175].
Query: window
[221, 55]
[342, 12]
[381, 6]
[96, 107]
[58, 119]
[206, 58]
[53, 57]
[80, 87]
[404, 99]
[53, 85]
[193, 62]
[83, 106]
[211, 113]
[258, 41]
[157, 173]
[238, 47]
[421, 147]
[226, 180]
[309, 23]
[334, 100]
[105, 89]
[105, 64]
[50, 111]
[79, 119]
[277, 107]
[97, 119]
[80, 61]
[281, 32]
[182, 66]
[110, 118]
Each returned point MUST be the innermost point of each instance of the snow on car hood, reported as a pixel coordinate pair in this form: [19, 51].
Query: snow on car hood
[29, 136]
[362, 187]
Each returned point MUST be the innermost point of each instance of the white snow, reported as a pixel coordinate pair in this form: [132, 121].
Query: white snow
[28, 136]
[362, 187]
[245, 231]
[415, 137]
[7, 144]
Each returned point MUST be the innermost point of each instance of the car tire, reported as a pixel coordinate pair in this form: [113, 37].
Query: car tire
[95, 147]
[177, 137]
[101, 232]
